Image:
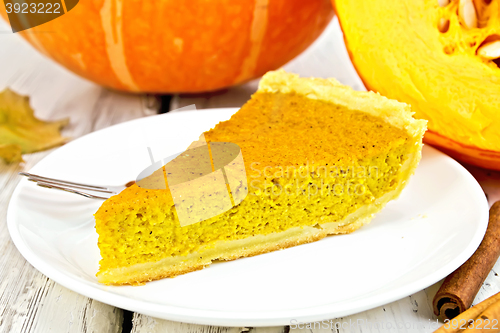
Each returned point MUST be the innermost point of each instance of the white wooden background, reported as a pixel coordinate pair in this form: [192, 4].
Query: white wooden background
[31, 302]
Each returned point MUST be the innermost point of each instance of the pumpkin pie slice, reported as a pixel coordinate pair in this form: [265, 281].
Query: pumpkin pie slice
[304, 158]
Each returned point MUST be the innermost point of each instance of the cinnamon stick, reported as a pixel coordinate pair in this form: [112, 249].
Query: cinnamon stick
[481, 311]
[460, 288]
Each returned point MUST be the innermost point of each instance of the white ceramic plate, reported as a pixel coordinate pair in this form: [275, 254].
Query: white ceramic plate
[433, 228]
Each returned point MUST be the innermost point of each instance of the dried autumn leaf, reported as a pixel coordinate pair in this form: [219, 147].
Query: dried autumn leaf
[18, 125]
[11, 153]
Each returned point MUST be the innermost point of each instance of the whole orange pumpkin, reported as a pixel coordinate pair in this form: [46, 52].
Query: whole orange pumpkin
[168, 46]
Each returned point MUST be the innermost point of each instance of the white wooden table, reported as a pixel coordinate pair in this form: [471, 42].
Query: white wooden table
[31, 302]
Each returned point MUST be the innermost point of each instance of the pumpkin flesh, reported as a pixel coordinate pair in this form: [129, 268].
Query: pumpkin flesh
[424, 54]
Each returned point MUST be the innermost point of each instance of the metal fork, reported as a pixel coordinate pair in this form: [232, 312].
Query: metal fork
[104, 192]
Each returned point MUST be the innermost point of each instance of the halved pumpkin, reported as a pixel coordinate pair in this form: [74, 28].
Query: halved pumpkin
[441, 57]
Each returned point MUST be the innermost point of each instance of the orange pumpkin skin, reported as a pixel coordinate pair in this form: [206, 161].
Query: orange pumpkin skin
[179, 46]
[488, 159]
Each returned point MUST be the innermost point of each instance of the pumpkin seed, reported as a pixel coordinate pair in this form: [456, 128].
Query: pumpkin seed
[443, 3]
[467, 14]
[490, 50]
[483, 14]
[443, 25]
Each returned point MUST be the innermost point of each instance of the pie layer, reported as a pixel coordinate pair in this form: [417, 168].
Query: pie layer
[319, 159]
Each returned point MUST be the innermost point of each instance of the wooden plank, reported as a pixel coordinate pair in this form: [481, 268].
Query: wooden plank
[29, 301]
[147, 324]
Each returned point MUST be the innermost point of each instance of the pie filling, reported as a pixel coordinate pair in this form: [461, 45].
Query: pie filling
[335, 161]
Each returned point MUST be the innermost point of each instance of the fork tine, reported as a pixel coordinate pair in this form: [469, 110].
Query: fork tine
[59, 181]
[67, 189]
[71, 186]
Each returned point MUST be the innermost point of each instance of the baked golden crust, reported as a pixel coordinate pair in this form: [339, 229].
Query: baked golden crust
[224, 250]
